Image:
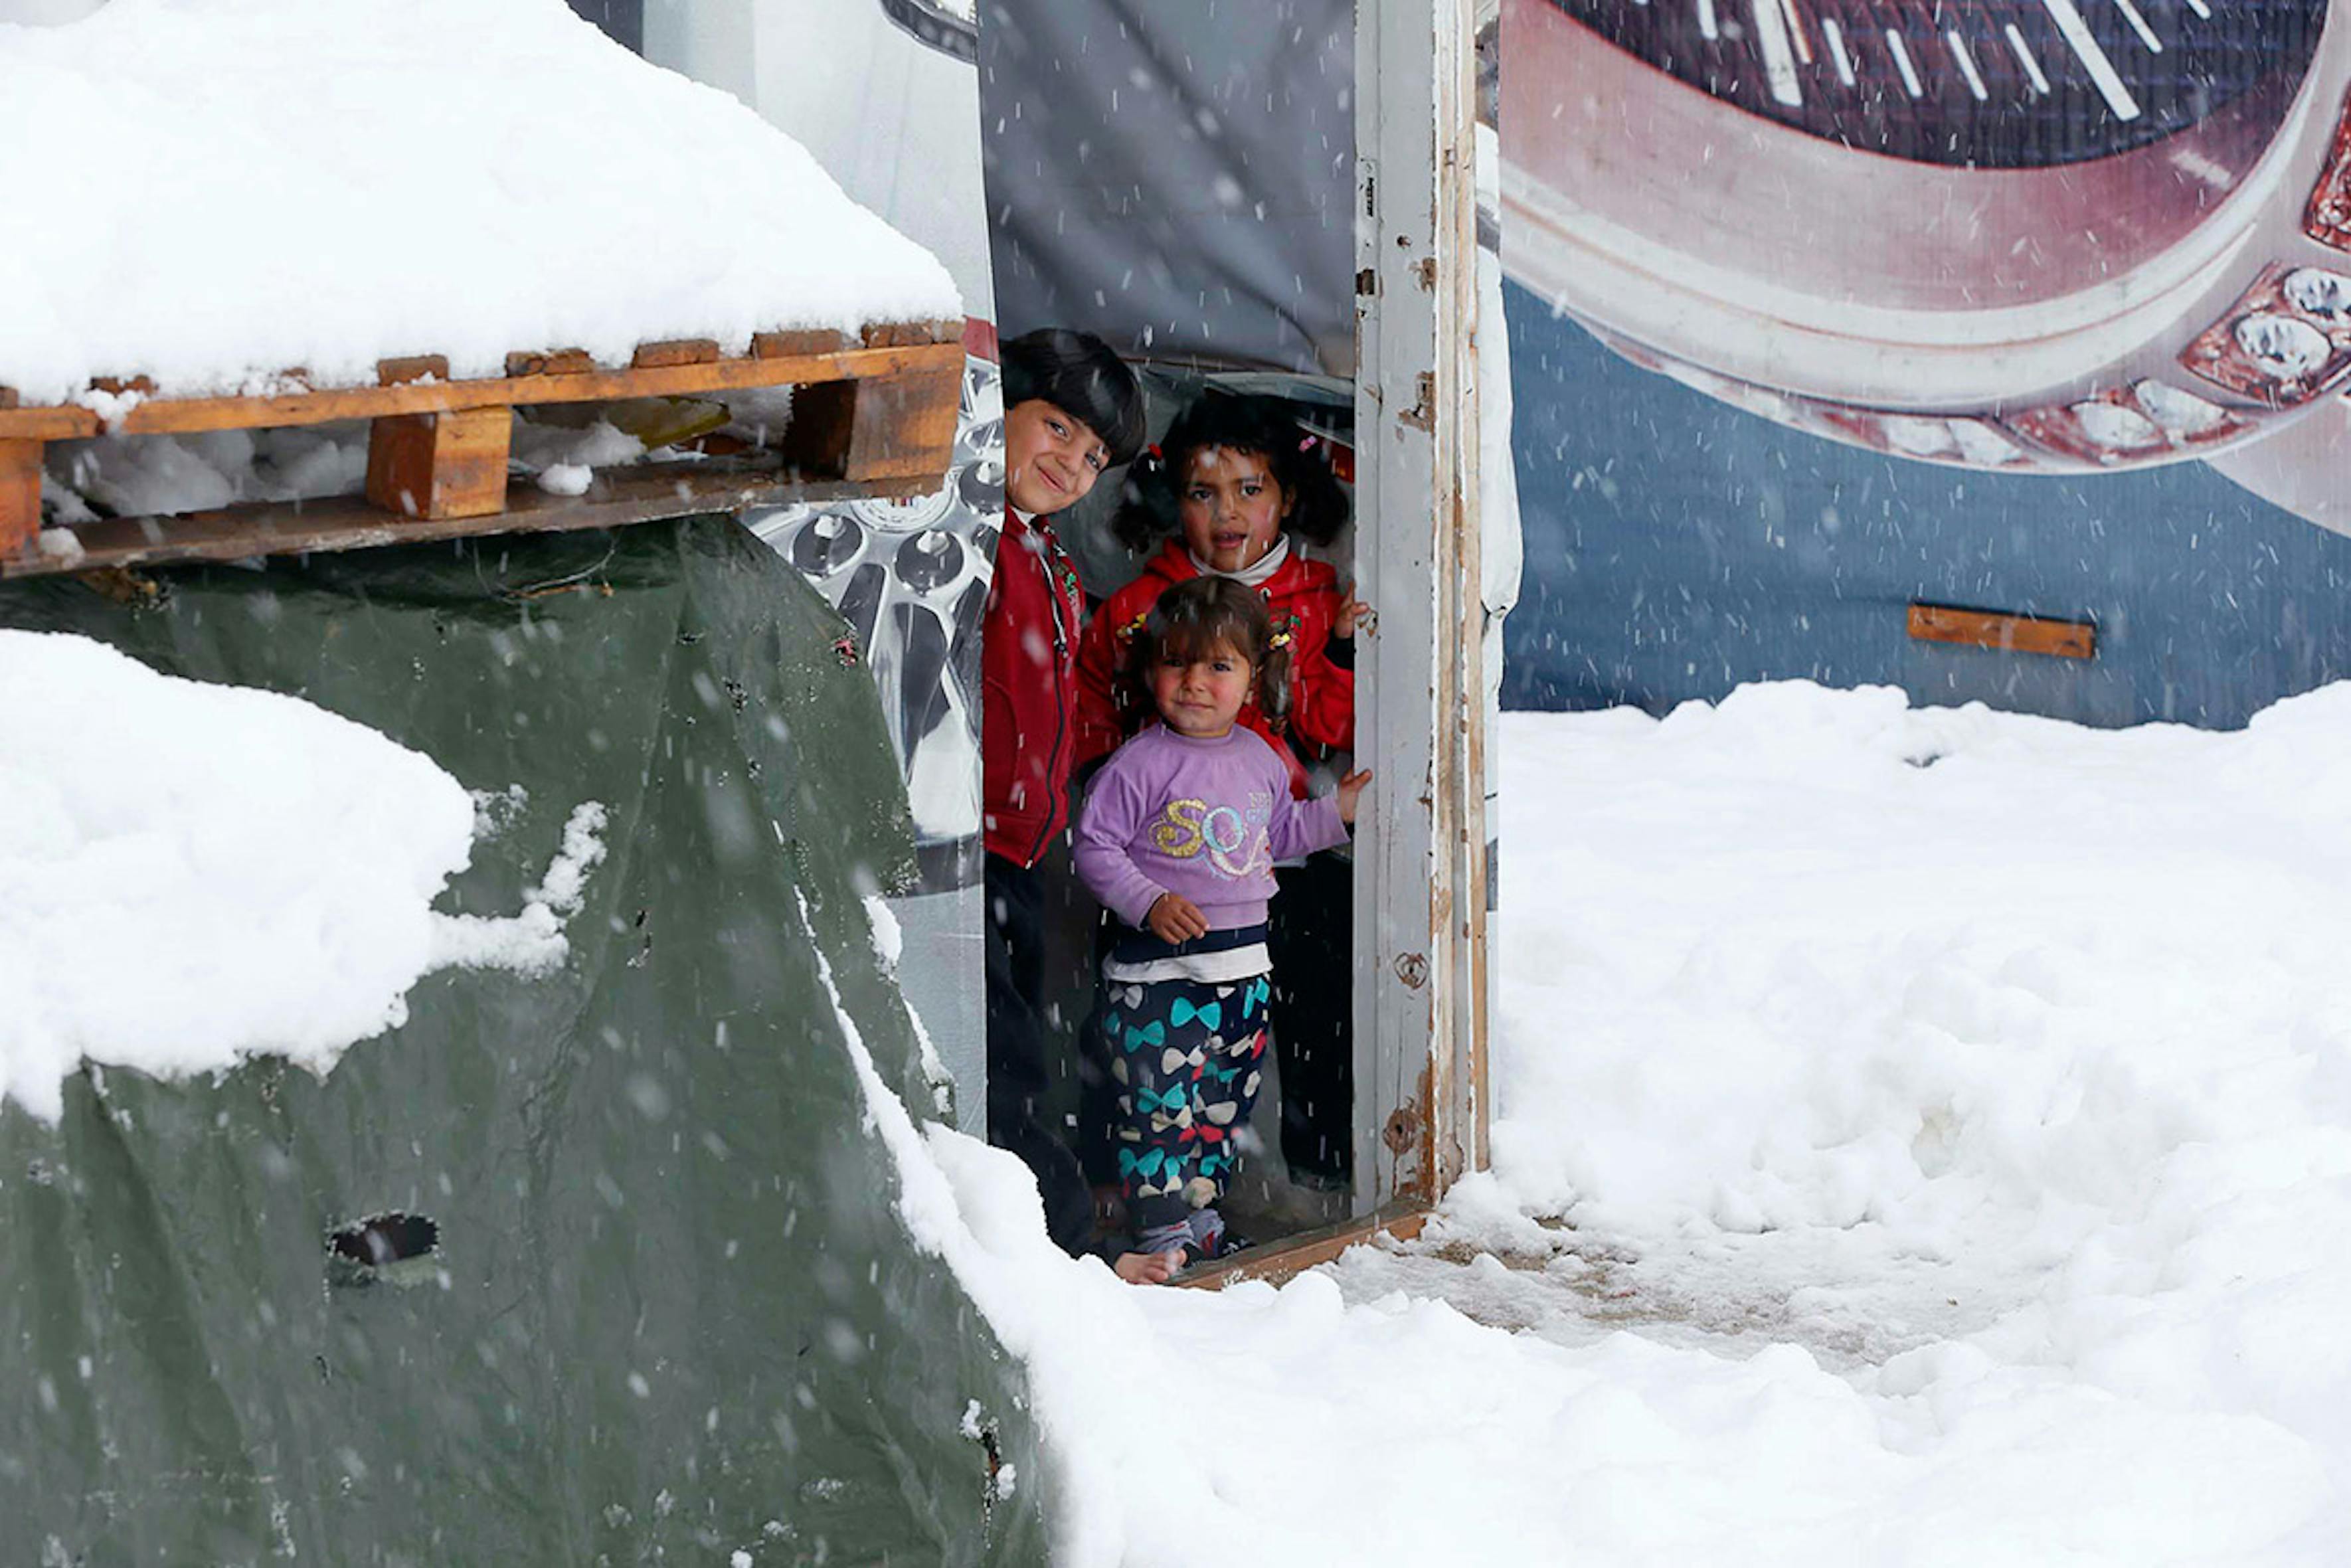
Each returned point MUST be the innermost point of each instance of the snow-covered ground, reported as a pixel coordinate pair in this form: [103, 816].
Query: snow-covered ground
[250, 186]
[1923, 1138]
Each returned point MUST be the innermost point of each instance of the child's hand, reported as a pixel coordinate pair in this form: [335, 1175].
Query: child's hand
[1351, 610]
[1174, 919]
[1351, 789]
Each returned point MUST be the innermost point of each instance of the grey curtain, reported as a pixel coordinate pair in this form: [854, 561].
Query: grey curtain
[1177, 178]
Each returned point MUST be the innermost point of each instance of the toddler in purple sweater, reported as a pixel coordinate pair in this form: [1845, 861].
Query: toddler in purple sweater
[1179, 838]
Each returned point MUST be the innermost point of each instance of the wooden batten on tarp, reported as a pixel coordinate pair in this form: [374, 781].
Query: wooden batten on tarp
[2003, 631]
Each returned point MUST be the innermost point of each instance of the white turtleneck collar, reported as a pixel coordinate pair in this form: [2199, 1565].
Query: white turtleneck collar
[1250, 576]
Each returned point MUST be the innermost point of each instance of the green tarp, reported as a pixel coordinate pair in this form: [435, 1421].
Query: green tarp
[673, 1314]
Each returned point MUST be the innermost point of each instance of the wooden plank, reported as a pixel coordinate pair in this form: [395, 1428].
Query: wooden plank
[449, 464]
[677, 351]
[20, 497]
[905, 424]
[186, 416]
[911, 334]
[2011, 633]
[898, 426]
[787, 345]
[824, 419]
[413, 368]
[549, 362]
[617, 498]
[1293, 1256]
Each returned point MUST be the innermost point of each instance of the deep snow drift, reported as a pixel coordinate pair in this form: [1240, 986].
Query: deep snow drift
[190, 874]
[249, 186]
[1938, 1124]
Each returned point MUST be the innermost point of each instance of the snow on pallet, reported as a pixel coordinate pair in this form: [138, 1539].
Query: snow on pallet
[871, 416]
[462, 178]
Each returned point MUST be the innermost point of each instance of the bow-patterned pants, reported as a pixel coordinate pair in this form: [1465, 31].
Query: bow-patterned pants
[1184, 1060]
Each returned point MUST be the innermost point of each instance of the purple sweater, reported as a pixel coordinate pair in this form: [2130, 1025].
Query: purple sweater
[1206, 819]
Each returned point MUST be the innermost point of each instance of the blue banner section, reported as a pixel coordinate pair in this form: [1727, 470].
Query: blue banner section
[1677, 546]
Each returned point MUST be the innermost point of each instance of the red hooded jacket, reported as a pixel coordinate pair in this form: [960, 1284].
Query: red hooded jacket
[1303, 599]
[1029, 646]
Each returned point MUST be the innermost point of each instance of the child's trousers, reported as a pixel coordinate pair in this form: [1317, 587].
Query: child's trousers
[1185, 1060]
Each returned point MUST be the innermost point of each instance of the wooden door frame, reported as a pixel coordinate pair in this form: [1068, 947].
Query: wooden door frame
[1421, 1012]
[1422, 1110]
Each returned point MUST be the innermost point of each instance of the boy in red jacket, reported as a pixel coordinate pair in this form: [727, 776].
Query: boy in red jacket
[1072, 412]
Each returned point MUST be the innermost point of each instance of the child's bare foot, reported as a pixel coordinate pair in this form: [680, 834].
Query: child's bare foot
[1148, 1268]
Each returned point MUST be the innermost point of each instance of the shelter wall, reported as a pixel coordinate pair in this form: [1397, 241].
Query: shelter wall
[1677, 546]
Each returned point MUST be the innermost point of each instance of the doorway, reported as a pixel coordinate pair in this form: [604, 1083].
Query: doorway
[1201, 187]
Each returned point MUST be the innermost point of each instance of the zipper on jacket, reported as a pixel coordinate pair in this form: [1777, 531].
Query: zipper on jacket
[1057, 601]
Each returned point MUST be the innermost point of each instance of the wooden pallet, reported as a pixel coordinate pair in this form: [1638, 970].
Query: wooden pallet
[870, 416]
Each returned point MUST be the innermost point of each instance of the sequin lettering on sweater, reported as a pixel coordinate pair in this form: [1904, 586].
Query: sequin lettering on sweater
[1234, 839]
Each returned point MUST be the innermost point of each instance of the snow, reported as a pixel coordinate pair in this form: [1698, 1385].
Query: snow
[1924, 1138]
[257, 185]
[531, 943]
[192, 874]
[563, 446]
[151, 476]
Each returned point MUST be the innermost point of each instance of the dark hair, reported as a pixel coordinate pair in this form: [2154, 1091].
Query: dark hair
[1261, 427]
[1077, 373]
[1195, 616]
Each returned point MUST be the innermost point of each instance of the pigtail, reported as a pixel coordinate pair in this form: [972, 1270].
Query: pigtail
[1146, 506]
[1138, 643]
[1273, 683]
[1318, 512]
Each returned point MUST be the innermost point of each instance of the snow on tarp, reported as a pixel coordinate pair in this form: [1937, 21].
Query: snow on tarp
[193, 874]
[239, 187]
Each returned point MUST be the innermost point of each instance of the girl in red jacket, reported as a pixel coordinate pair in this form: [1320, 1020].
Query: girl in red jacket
[1235, 485]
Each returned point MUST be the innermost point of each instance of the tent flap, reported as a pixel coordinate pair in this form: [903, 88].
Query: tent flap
[671, 1312]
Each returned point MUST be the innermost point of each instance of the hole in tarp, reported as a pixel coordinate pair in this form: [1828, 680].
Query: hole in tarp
[384, 1239]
